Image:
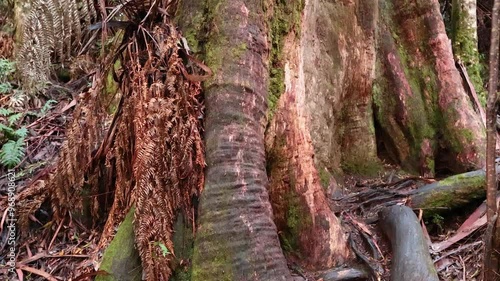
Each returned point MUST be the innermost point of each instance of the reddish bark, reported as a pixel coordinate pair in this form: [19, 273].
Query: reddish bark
[421, 104]
[237, 238]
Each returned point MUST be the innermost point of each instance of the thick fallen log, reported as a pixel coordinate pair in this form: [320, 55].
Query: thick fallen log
[411, 260]
[450, 193]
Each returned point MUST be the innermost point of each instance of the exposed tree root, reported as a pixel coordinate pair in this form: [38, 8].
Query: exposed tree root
[411, 259]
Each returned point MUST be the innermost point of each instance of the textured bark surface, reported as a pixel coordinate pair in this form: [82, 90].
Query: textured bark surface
[492, 236]
[411, 260]
[337, 41]
[465, 42]
[237, 238]
[421, 105]
[323, 119]
[322, 123]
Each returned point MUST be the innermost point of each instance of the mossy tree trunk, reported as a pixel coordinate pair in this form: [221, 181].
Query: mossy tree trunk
[236, 238]
[464, 41]
[426, 117]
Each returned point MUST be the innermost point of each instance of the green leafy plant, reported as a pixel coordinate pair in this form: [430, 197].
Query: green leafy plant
[12, 136]
[163, 248]
[12, 152]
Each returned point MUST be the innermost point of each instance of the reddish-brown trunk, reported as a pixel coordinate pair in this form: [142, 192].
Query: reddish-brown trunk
[237, 238]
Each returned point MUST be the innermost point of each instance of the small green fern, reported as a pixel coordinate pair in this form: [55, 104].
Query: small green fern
[14, 118]
[7, 68]
[46, 107]
[12, 153]
[5, 88]
[5, 111]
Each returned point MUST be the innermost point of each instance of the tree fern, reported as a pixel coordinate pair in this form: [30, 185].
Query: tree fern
[5, 88]
[12, 153]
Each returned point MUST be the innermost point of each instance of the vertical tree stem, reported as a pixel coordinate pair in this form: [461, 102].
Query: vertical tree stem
[490, 264]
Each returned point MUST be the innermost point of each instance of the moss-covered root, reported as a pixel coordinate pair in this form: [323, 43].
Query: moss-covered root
[121, 260]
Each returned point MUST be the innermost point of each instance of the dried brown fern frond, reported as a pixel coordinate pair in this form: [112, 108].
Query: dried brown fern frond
[150, 154]
[48, 29]
[6, 45]
[169, 157]
[75, 179]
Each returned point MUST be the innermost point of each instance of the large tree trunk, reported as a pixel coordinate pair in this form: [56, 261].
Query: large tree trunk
[465, 43]
[322, 70]
[340, 77]
[328, 69]
[426, 118]
[237, 238]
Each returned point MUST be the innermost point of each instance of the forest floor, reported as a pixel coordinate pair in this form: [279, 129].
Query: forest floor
[455, 238]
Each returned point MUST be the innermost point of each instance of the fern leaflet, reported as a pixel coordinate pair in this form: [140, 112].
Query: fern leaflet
[12, 153]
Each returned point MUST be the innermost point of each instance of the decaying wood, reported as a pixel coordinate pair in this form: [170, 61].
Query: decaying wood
[450, 193]
[411, 259]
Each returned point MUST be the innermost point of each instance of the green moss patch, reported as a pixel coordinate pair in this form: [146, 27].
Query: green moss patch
[121, 260]
[286, 18]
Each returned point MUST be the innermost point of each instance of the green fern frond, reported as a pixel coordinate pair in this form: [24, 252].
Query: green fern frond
[12, 153]
[46, 107]
[14, 118]
[5, 88]
[5, 111]
[6, 130]
[7, 67]
[21, 133]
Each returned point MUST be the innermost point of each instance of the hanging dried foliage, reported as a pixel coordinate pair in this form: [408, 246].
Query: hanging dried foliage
[168, 164]
[148, 153]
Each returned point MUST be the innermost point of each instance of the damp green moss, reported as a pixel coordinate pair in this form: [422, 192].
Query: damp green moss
[218, 255]
[183, 240]
[274, 156]
[462, 136]
[285, 19]
[293, 215]
[239, 50]
[296, 221]
[356, 165]
[121, 260]
[192, 27]
[324, 177]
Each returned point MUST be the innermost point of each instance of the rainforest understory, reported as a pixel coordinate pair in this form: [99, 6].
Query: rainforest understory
[243, 140]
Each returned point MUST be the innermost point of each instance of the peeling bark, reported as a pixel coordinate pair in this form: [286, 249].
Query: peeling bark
[307, 116]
